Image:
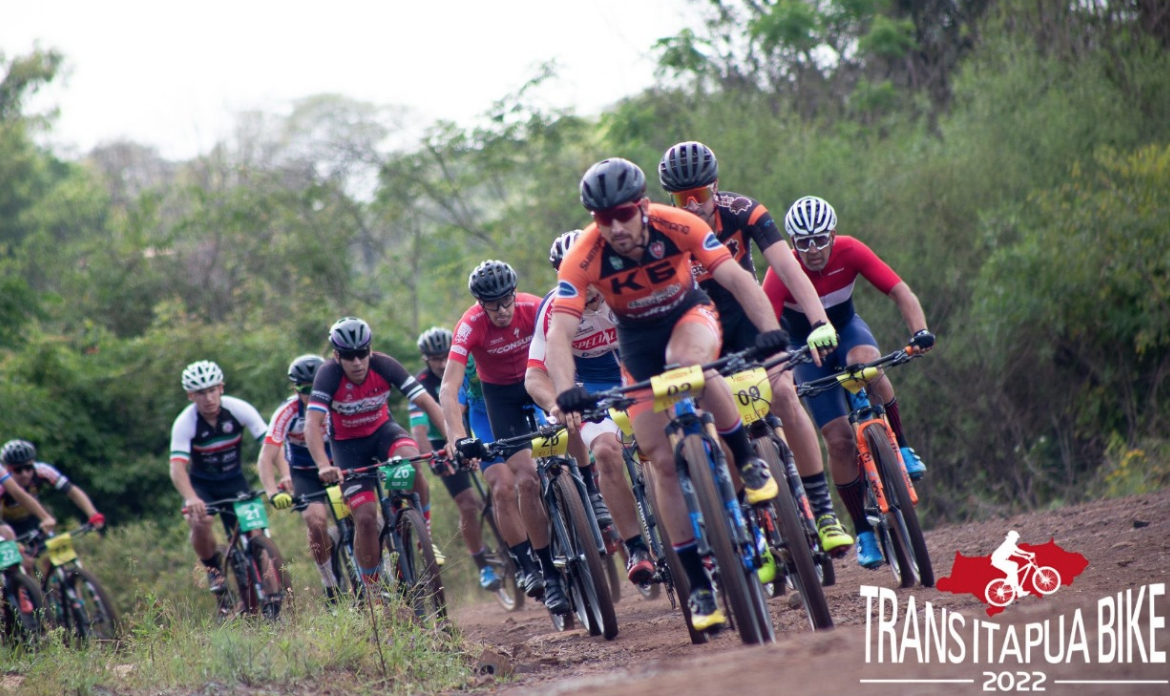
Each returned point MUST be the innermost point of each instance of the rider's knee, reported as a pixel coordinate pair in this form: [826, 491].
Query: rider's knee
[608, 453]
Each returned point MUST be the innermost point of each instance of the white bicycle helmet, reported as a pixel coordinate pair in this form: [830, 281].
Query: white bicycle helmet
[810, 216]
[201, 375]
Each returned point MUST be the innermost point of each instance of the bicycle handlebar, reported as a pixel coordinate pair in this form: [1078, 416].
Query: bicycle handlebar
[856, 373]
[223, 505]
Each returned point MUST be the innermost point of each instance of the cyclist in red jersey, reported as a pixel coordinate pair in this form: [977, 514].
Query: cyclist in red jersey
[497, 331]
[689, 172]
[639, 256]
[352, 390]
[833, 263]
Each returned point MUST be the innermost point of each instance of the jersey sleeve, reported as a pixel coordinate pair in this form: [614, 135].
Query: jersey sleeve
[248, 416]
[281, 421]
[464, 339]
[539, 346]
[573, 278]
[50, 473]
[4, 475]
[393, 372]
[762, 228]
[776, 291]
[182, 432]
[706, 248]
[874, 270]
[325, 385]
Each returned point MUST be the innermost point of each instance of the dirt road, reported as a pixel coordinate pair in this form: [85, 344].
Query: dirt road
[1126, 542]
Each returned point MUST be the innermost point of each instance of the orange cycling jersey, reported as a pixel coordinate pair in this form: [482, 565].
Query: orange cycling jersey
[652, 289]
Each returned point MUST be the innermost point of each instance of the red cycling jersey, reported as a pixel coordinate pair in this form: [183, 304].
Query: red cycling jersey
[501, 355]
[834, 284]
[357, 410]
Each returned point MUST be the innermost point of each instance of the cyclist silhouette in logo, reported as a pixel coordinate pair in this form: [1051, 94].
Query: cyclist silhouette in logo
[1001, 559]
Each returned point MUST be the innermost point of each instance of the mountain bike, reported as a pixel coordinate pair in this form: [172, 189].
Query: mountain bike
[787, 522]
[22, 603]
[890, 496]
[74, 598]
[1044, 580]
[577, 546]
[730, 540]
[252, 561]
[341, 558]
[408, 556]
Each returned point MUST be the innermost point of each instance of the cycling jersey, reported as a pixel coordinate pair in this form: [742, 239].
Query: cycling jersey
[834, 284]
[212, 450]
[287, 429]
[654, 291]
[739, 221]
[501, 353]
[45, 477]
[357, 410]
[431, 382]
[594, 345]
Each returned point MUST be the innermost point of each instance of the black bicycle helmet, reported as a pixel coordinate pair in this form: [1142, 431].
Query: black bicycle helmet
[688, 165]
[435, 342]
[302, 370]
[17, 452]
[492, 280]
[350, 333]
[611, 182]
[560, 247]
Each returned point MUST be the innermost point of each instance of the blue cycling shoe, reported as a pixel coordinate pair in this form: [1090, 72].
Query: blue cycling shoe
[488, 579]
[913, 462]
[869, 554]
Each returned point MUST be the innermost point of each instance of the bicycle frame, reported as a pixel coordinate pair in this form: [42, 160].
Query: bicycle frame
[239, 552]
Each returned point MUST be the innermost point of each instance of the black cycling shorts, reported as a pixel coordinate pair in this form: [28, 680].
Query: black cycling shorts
[738, 331]
[307, 482]
[360, 452]
[220, 489]
[509, 409]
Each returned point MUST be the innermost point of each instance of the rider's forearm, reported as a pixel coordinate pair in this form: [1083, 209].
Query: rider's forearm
[749, 295]
[82, 501]
[559, 358]
[25, 499]
[449, 400]
[419, 433]
[264, 467]
[540, 388]
[315, 439]
[182, 481]
[909, 306]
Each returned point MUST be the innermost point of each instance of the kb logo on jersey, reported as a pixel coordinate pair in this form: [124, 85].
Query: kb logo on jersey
[657, 274]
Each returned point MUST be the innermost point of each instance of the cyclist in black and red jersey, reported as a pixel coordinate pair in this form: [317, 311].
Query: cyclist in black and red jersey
[434, 344]
[639, 255]
[689, 172]
[351, 390]
[833, 263]
[207, 441]
[285, 452]
[497, 330]
[19, 459]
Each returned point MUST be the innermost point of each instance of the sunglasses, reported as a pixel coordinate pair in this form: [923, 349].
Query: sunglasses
[23, 469]
[499, 304]
[701, 195]
[303, 388]
[809, 243]
[621, 213]
[351, 355]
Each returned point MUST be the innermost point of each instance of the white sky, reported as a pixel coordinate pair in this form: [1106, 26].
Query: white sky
[171, 74]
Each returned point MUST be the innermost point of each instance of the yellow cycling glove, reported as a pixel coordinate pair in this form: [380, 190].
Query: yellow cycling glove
[822, 337]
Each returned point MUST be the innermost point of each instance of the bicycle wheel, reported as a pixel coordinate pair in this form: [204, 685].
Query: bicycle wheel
[1045, 580]
[417, 569]
[267, 567]
[96, 615]
[734, 582]
[584, 562]
[999, 593]
[345, 569]
[651, 590]
[58, 612]
[24, 607]
[242, 599]
[825, 569]
[676, 577]
[510, 595]
[898, 498]
[794, 551]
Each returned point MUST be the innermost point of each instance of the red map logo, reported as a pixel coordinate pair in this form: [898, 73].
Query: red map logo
[1013, 571]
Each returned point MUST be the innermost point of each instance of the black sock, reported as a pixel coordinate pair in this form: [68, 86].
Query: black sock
[688, 556]
[853, 495]
[634, 543]
[817, 490]
[214, 563]
[480, 559]
[895, 420]
[521, 552]
[546, 563]
[739, 444]
[590, 480]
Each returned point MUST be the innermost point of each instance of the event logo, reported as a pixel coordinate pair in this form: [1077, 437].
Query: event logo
[1013, 571]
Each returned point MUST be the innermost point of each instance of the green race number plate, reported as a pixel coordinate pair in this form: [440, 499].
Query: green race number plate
[251, 515]
[399, 477]
[9, 554]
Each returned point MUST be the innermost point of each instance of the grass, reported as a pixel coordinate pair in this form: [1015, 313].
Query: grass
[171, 644]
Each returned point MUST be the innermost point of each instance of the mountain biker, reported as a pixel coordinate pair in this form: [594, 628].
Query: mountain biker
[832, 263]
[434, 344]
[639, 255]
[689, 172]
[1001, 559]
[497, 330]
[33, 477]
[285, 452]
[597, 368]
[351, 391]
[206, 445]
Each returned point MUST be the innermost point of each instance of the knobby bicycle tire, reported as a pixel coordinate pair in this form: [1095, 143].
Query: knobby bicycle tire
[614, 561]
[588, 568]
[102, 620]
[268, 568]
[902, 563]
[417, 566]
[679, 583]
[510, 595]
[800, 564]
[828, 573]
[23, 626]
[751, 621]
[648, 591]
[345, 569]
